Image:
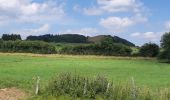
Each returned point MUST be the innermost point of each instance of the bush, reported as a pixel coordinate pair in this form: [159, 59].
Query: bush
[78, 86]
[97, 49]
[149, 50]
[27, 46]
[164, 56]
[99, 88]
[106, 47]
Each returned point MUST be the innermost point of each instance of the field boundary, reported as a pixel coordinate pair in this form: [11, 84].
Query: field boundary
[76, 56]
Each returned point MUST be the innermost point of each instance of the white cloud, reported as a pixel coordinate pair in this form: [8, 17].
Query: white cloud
[137, 13]
[76, 8]
[113, 6]
[167, 25]
[82, 31]
[148, 36]
[137, 34]
[44, 29]
[30, 11]
[92, 11]
[118, 24]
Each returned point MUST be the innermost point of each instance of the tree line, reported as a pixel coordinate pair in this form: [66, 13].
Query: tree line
[64, 38]
[13, 37]
[67, 38]
[27, 47]
[107, 46]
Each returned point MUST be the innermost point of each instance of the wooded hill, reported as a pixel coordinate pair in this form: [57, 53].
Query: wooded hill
[76, 38]
[116, 39]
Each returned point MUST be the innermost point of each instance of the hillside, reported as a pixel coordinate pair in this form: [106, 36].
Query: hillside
[116, 39]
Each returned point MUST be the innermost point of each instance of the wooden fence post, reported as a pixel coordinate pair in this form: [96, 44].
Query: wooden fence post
[37, 85]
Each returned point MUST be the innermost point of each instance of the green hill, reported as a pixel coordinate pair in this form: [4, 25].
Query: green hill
[116, 39]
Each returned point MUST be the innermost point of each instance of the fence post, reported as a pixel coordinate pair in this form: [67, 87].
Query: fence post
[37, 85]
[108, 86]
[85, 88]
[133, 89]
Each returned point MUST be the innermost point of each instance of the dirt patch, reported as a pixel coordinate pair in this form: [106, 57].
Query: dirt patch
[12, 94]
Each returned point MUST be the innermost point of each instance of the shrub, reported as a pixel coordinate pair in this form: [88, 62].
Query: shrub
[78, 87]
[98, 49]
[164, 56]
[27, 46]
[149, 50]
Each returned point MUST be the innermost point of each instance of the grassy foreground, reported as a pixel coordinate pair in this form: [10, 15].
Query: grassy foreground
[20, 70]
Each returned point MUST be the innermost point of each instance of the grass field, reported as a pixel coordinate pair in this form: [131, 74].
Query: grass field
[19, 70]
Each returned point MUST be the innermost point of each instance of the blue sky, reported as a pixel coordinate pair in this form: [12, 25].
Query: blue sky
[139, 21]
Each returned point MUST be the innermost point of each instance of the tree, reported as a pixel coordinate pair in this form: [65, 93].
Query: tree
[107, 42]
[165, 41]
[1, 40]
[117, 39]
[108, 47]
[165, 44]
[149, 50]
[13, 37]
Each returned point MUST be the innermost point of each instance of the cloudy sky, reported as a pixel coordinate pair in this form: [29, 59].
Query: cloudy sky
[139, 21]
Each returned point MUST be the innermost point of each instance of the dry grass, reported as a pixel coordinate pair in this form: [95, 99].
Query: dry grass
[12, 94]
[75, 56]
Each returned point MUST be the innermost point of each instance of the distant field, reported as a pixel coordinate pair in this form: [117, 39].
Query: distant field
[19, 70]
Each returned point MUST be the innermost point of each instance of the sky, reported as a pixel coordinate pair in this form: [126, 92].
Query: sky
[138, 21]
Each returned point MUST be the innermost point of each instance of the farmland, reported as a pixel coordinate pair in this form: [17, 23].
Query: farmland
[18, 70]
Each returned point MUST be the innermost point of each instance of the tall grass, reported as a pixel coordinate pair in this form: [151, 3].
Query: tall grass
[76, 86]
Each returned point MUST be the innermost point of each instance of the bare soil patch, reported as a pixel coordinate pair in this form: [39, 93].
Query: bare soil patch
[12, 94]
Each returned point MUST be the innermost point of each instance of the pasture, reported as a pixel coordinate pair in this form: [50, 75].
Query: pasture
[19, 70]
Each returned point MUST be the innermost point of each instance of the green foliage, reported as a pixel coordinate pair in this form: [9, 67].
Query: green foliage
[165, 44]
[165, 41]
[27, 46]
[66, 84]
[135, 52]
[149, 50]
[17, 70]
[12, 37]
[1, 41]
[117, 39]
[106, 47]
[78, 87]
[106, 42]
[98, 49]
[109, 48]
[164, 56]
[65, 38]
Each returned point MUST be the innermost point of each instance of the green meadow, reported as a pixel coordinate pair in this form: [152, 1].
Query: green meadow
[20, 70]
